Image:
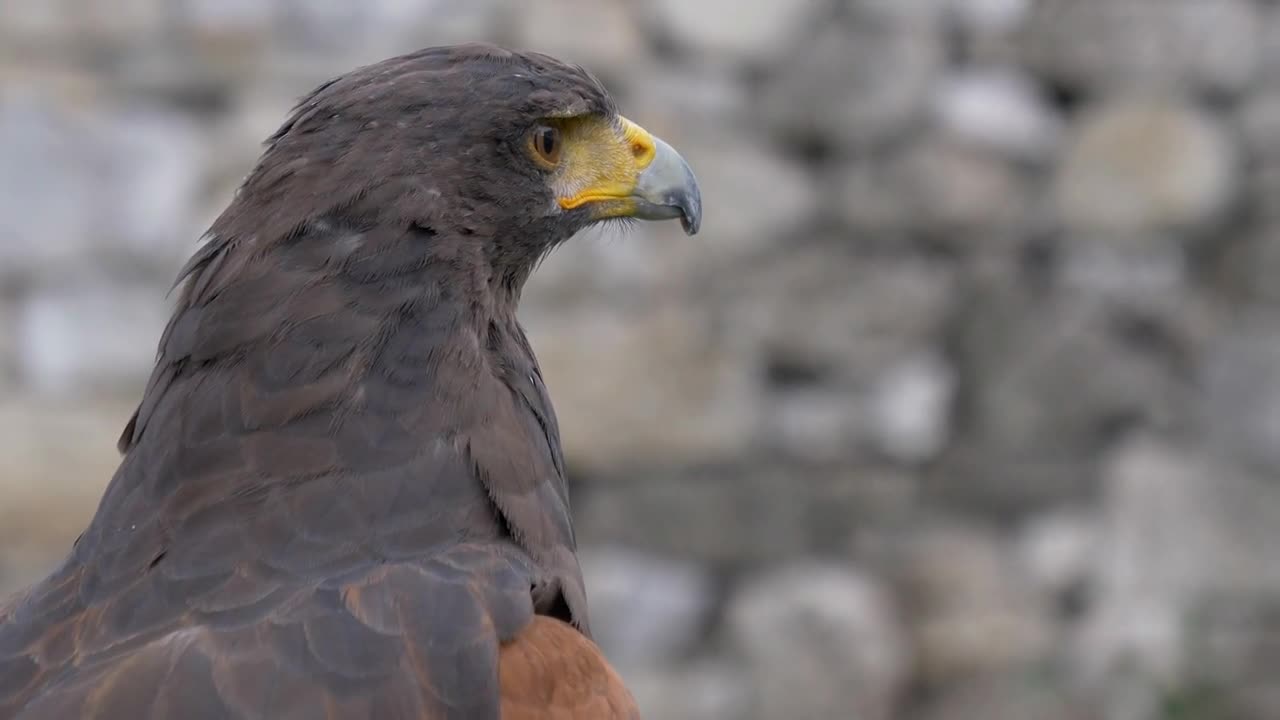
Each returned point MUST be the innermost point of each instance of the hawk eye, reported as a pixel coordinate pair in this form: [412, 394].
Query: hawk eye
[546, 145]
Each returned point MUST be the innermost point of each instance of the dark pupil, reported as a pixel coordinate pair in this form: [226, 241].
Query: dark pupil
[548, 141]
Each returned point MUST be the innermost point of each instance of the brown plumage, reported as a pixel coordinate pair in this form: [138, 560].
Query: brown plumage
[343, 494]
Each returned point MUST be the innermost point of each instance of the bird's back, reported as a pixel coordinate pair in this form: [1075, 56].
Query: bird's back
[405, 640]
[333, 503]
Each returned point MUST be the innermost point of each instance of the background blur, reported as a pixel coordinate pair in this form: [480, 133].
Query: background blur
[965, 404]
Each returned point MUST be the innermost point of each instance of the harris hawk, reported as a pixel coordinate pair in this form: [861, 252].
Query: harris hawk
[343, 493]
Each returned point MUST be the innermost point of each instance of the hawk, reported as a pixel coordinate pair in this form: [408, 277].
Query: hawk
[343, 493]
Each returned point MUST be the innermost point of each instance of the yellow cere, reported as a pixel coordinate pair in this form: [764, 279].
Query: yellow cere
[601, 161]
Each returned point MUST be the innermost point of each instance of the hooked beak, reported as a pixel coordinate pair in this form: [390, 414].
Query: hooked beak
[667, 189]
[631, 173]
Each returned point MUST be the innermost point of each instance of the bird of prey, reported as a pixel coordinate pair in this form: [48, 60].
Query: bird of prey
[343, 493]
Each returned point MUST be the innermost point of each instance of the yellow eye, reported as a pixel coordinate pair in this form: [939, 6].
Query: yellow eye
[545, 143]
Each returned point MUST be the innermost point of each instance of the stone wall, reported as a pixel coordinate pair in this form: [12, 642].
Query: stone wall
[966, 403]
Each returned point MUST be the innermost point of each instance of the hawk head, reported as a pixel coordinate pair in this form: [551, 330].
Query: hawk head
[515, 149]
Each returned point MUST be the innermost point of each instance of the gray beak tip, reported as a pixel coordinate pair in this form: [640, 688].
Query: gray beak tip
[691, 212]
[668, 189]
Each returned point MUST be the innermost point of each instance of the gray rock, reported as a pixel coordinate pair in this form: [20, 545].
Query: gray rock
[610, 265]
[1252, 263]
[990, 17]
[126, 184]
[317, 25]
[829, 311]
[757, 31]
[319, 40]
[441, 22]
[740, 516]
[974, 611]
[910, 409]
[1143, 271]
[859, 508]
[728, 518]
[9, 348]
[828, 326]
[1099, 44]
[58, 458]
[153, 164]
[1232, 658]
[999, 109]
[647, 610]
[43, 148]
[868, 199]
[648, 381]
[71, 338]
[702, 690]
[603, 35]
[1049, 375]
[1188, 536]
[216, 17]
[820, 642]
[832, 87]
[105, 22]
[783, 197]
[1012, 696]
[1240, 410]
[678, 100]
[1140, 166]
[953, 191]
[960, 192]
[34, 21]
[1058, 553]
[1260, 126]
[820, 423]
[1269, 39]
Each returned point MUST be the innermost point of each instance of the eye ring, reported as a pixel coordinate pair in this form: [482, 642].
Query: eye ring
[546, 143]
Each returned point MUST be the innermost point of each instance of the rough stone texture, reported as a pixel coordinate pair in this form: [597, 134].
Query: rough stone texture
[1260, 125]
[1136, 44]
[555, 27]
[857, 78]
[910, 409]
[126, 180]
[691, 691]
[1145, 166]
[756, 31]
[1001, 109]
[724, 518]
[71, 339]
[820, 642]
[9, 350]
[974, 613]
[651, 610]
[1190, 547]
[989, 16]
[1051, 375]
[1007, 698]
[46, 503]
[696, 402]
[1242, 396]
[740, 169]
[985, 307]
[1056, 554]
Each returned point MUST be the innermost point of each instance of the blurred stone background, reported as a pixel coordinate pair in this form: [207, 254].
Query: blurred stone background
[964, 406]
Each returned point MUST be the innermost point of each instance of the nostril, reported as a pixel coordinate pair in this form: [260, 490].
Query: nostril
[639, 149]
